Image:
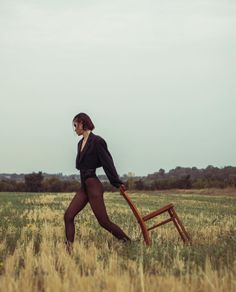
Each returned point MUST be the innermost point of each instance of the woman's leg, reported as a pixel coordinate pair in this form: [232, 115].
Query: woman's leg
[77, 204]
[95, 190]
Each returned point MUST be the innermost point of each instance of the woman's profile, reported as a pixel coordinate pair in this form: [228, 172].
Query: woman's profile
[92, 153]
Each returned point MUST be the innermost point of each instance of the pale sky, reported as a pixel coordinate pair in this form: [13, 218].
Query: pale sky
[157, 78]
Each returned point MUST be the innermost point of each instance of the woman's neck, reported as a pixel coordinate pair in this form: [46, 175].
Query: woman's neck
[86, 134]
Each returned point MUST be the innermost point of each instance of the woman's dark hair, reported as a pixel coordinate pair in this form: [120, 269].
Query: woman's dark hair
[85, 119]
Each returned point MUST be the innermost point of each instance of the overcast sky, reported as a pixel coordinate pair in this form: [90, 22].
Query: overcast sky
[157, 78]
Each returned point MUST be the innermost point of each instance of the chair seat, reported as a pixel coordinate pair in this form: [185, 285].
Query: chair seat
[158, 212]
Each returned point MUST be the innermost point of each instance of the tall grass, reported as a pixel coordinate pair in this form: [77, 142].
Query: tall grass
[33, 255]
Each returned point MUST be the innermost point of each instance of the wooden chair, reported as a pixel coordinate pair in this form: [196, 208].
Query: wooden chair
[142, 219]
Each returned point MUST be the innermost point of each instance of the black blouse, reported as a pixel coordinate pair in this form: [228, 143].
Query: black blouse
[95, 154]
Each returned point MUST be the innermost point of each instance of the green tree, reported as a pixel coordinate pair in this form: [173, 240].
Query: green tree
[33, 182]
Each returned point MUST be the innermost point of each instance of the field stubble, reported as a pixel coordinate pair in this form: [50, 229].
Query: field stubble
[33, 256]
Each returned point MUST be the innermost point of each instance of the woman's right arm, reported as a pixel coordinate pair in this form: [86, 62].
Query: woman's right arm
[107, 162]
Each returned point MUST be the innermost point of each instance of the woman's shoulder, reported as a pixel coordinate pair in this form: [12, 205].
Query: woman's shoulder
[99, 139]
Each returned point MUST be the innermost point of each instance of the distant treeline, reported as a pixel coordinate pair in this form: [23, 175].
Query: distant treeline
[178, 178]
[190, 177]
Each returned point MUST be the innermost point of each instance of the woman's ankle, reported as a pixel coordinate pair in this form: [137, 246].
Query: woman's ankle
[69, 246]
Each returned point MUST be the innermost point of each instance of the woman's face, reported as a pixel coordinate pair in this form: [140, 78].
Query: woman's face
[78, 127]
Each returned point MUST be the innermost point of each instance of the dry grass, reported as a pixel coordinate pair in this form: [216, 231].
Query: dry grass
[33, 256]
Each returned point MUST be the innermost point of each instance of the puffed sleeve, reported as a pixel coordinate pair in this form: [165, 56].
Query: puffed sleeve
[107, 162]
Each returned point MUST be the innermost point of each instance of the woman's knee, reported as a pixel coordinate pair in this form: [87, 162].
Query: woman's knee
[105, 223]
[68, 217]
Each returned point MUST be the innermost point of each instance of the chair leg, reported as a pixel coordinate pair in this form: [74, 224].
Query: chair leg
[176, 225]
[145, 233]
[147, 237]
[179, 225]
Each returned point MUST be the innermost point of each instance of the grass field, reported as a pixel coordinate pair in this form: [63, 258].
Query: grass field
[33, 256]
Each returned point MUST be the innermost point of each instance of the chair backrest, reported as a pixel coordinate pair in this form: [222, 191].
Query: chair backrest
[138, 216]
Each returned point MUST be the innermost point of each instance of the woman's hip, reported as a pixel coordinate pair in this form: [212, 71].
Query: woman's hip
[89, 179]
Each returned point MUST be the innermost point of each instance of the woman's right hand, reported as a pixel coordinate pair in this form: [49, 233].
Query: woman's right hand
[122, 188]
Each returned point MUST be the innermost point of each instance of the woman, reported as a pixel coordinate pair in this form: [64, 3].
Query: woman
[92, 153]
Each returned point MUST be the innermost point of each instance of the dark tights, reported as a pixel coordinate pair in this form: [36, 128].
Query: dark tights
[91, 191]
